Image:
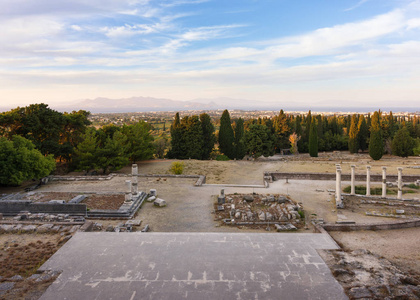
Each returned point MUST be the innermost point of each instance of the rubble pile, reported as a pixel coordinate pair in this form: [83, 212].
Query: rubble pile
[257, 209]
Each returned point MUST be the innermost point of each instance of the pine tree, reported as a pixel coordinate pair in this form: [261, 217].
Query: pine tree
[313, 139]
[240, 149]
[353, 141]
[363, 133]
[226, 136]
[376, 147]
[403, 144]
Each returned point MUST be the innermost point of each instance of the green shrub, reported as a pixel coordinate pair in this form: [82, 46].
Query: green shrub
[177, 168]
[222, 157]
[413, 186]
[301, 214]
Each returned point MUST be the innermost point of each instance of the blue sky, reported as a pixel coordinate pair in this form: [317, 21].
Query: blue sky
[302, 53]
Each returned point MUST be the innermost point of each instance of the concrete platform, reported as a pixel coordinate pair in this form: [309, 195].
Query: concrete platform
[193, 266]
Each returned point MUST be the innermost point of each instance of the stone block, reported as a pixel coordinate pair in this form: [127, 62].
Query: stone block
[44, 228]
[151, 199]
[248, 198]
[159, 202]
[133, 222]
[153, 192]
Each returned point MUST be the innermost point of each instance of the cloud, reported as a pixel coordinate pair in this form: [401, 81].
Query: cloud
[360, 3]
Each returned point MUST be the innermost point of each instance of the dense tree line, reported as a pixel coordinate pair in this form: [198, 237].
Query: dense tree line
[308, 133]
[33, 138]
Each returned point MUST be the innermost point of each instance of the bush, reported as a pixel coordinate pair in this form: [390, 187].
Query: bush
[222, 157]
[177, 168]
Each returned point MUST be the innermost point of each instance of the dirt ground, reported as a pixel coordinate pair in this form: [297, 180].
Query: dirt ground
[22, 255]
[191, 208]
[401, 246]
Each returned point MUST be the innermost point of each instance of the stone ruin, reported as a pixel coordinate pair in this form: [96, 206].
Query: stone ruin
[254, 209]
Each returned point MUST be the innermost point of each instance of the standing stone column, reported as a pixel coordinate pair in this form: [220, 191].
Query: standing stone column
[338, 201]
[353, 188]
[383, 182]
[128, 190]
[367, 180]
[134, 173]
[399, 183]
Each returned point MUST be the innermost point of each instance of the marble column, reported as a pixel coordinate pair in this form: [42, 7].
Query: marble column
[353, 188]
[338, 201]
[399, 183]
[367, 180]
[134, 178]
[128, 194]
[383, 182]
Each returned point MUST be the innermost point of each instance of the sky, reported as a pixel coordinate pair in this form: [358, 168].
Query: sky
[328, 53]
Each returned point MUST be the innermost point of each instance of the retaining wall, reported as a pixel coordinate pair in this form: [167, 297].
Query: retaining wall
[332, 176]
[13, 207]
[376, 226]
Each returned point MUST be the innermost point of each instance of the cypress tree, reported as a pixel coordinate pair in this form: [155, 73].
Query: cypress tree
[313, 139]
[376, 147]
[226, 136]
[240, 149]
[363, 133]
[353, 141]
[176, 150]
[208, 135]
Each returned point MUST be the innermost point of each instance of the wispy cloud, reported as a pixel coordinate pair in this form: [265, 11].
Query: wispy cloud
[360, 3]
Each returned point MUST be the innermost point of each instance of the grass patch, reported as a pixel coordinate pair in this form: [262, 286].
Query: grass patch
[377, 191]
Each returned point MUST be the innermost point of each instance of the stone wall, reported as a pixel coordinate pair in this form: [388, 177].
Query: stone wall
[344, 177]
[13, 207]
[377, 226]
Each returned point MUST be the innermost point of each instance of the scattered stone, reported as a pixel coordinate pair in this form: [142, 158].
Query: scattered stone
[146, 228]
[400, 211]
[248, 198]
[44, 228]
[16, 278]
[109, 228]
[360, 293]
[153, 192]
[159, 202]
[151, 199]
[28, 228]
[133, 222]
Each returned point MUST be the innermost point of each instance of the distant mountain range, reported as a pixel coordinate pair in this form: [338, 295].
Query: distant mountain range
[147, 104]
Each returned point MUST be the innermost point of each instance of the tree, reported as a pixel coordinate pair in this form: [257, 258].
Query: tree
[139, 141]
[353, 140]
[294, 139]
[226, 136]
[86, 152]
[259, 141]
[192, 137]
[376, 147]
[37, 123]
[240, 149]
[114, 154]
[20, 161]
[362, 133]
[281, 129]
[403, 144]
[313, 139]
[161, 144]
[208, 135]
[177, 147]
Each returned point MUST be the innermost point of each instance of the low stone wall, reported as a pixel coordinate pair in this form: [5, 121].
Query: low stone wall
[201, 179]
[83, 178]
[332, 176]
[13, 207]
[376, 226]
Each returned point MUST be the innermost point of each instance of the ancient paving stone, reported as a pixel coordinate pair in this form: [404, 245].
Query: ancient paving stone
[193, 266]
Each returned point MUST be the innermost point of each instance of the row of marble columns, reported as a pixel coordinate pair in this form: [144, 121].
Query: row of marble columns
[339, 202]
[132, 185]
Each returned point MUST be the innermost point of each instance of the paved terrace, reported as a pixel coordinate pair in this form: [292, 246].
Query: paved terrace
[193, 266]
